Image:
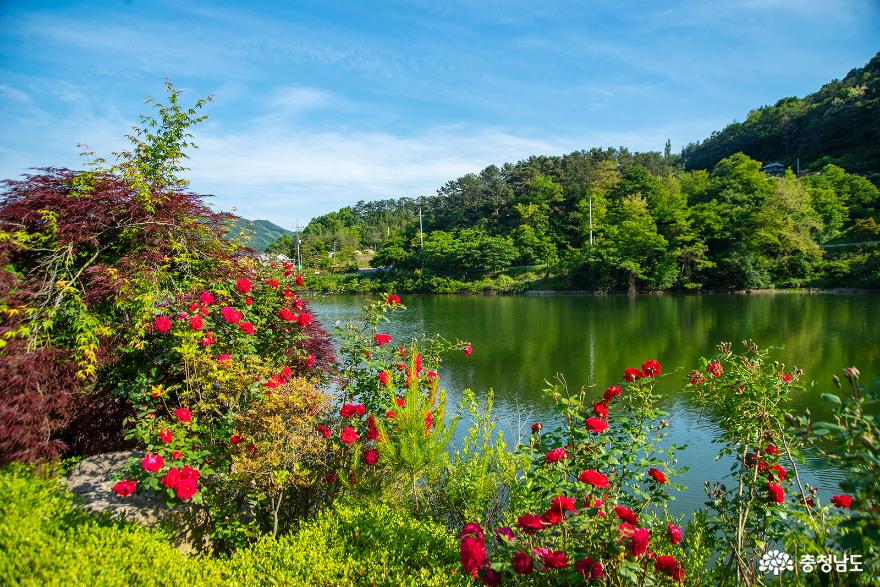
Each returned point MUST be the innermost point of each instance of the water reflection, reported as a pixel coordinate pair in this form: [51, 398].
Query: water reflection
[520, 342]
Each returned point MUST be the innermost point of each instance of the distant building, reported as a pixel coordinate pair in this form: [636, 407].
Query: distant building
[774, 169]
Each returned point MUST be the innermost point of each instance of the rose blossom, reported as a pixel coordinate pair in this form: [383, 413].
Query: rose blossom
[162, 323]
[349, 435]
[125, 488]
[594, 478]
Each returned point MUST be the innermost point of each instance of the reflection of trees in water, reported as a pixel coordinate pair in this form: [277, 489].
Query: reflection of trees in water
[519, 342]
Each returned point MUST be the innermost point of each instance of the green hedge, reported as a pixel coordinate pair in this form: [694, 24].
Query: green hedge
[45, 539]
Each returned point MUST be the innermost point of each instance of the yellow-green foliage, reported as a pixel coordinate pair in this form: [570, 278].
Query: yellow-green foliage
[46, 540]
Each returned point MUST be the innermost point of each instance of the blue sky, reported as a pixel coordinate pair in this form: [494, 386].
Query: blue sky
[320, 104]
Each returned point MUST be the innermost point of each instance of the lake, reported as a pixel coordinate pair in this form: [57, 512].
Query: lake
[519, 342]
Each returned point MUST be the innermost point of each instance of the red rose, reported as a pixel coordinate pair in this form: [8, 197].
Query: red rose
[771, 449]
[600, 409]
[125, 488]
[393, 299]
[522, 563]
[246, 327]
[162, 323]
[272, 283]
[360, 409]
[715, 369]
[171, 478]
[552, 559]
[626, 514]
[382, 339]
[657, 475]
[177, 455]
[347, 411]
[841, 501]
[651, 368]
[597, 425]
[611, 393]
[349, 435]
[638, 543]
[236, 439]
[536, 427]
[557, 454]
[286, 314]
[631, 374]
[384, 378]
[668, 565]
[248, 301]
[491, 577]
[243, 285]
[776, 492]
[468, 350]
[530, 524]
[221, 358]
[552, 517]
[152, 463]
[594, 478]
[231, 315]
[777, 472]
[390, 414]
[206, 298]
[590, 569]
[188, 472]
[165, 435]
[208, 339]
[196, 322]
[400, 402]
[183, 415]
[371, 457]
[186, 488]
[563, 503]
[785, 377]
[311, 360]
[299, 279]
[324, 430]
[473, 554]
[675, 534]
[696, 377]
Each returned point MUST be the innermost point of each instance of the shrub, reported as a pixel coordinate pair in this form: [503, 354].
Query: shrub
[602, 482]
[45, 539]
[372, 544]
[82, 256]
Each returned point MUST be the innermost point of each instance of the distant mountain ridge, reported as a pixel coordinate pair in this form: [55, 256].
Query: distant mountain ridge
[264, 232]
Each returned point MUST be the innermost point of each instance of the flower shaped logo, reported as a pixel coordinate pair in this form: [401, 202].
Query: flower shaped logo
[776, 561]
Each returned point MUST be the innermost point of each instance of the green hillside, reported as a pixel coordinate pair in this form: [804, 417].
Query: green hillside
[264, 232]
[838, 124]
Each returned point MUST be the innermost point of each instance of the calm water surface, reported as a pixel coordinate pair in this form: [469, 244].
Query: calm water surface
[519, 342]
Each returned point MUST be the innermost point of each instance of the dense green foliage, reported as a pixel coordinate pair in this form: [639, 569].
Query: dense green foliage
[838, 124]
[45, 539]
[654, 227]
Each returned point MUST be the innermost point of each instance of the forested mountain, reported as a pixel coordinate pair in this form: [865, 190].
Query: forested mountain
[263, 232]
[612, 219]
[838, 124]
